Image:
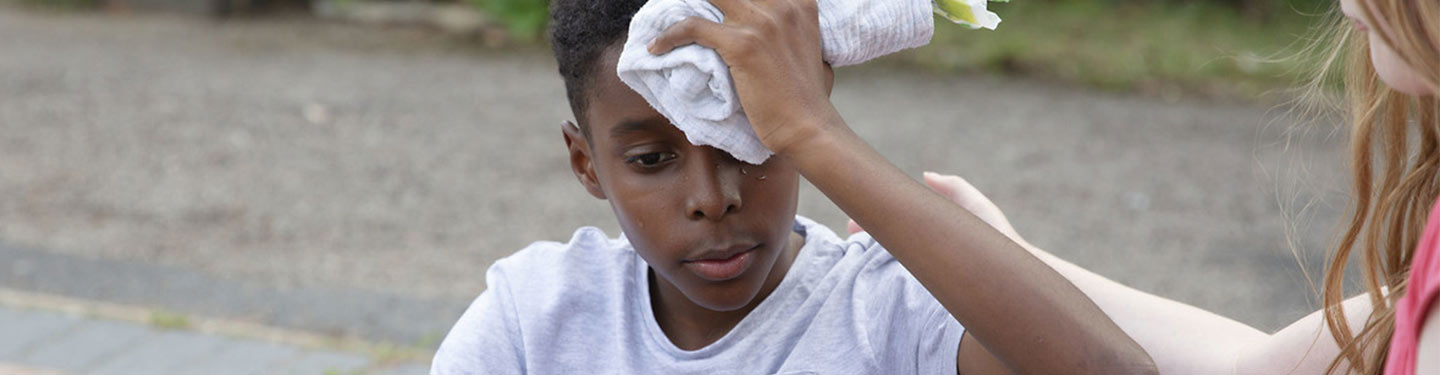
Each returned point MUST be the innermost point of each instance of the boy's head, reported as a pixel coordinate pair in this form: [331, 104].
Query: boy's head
[711, 227]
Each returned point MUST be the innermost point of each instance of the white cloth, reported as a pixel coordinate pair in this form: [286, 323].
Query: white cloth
[583, 307]
[691, 85]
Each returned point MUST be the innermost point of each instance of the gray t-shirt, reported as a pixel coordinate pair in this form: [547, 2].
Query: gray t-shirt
[844, 307]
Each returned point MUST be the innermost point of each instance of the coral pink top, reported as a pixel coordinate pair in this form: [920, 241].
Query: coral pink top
[1415, 305]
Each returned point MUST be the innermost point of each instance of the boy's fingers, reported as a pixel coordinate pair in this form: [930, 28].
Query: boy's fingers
[692, 30]
[732, 8]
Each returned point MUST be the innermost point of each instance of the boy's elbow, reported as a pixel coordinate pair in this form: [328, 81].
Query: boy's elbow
[1129, 360]
[1145, 367]
[1108, 360]
[1116, 353]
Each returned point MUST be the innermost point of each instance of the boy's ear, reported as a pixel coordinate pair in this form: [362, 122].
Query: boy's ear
[580, 162]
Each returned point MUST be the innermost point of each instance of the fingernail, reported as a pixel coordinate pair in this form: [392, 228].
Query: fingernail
[930, 174]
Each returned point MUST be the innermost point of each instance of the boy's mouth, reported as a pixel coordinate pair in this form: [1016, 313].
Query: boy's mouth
[722, 264]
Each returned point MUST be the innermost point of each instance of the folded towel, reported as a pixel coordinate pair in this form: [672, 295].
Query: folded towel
[691, 86]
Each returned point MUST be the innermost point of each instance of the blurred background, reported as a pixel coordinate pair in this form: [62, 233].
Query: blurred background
[318, 186]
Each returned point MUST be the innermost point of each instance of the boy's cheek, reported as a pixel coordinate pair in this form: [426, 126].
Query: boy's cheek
[646, 228]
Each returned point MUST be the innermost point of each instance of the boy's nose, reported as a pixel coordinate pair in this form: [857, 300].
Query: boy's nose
[715, 186]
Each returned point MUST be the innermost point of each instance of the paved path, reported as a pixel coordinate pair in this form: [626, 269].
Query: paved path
[334, 310]
[43, 342]
[316, 176]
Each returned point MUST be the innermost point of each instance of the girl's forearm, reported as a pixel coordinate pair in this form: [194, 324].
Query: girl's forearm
[1182, 339]
[1019, 308]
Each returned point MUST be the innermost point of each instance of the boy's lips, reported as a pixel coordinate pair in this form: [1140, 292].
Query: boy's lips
[722, 264]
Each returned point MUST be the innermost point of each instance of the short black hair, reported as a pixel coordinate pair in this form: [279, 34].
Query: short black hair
[580, 31]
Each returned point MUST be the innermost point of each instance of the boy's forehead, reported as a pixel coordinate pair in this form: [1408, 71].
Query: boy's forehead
[611, 100]
[606, 81]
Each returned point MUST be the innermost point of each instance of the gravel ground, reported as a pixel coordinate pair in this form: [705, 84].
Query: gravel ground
[295, 153]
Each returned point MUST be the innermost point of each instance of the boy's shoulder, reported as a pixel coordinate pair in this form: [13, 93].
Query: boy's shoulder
[587, 247]
[857, 249]
[586, 266]
[534, 295]
[859, 264]
[828, 258]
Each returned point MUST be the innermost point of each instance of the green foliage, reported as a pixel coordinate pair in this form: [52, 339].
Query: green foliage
[62, 4]
[1131, 45]
[523, 19]
[430, 340]
[168, 320]
[1216, 46]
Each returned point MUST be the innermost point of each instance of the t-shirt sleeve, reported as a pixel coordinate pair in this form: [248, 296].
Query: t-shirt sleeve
[1423, 294]
[486, 339]
[1420, 298]
[908, 327]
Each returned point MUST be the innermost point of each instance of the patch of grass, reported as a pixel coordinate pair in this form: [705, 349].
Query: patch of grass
[523, 19]
[331, 371]
[168, 320]
[1128, 46]
[1157, 46]
[430, 340]
[385, 352]
[60, 4]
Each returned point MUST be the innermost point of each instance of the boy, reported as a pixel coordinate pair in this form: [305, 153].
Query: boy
[714, 273]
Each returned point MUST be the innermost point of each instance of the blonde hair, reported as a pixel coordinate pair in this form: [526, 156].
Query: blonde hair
[1395, 172]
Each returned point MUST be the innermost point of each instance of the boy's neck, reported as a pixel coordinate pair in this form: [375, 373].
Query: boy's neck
[690, 326]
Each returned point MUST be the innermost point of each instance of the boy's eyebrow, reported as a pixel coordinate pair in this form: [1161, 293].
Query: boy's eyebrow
[631, 126]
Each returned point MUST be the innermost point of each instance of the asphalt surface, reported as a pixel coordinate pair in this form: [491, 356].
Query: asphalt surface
[340, 162]
[45, 342]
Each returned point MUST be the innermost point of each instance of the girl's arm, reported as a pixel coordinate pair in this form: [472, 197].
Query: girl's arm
[1181, 338]
[1184, 339]
[1018, 308]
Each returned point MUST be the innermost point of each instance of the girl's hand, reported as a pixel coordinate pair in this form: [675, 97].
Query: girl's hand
[957, 190]
[773, 50]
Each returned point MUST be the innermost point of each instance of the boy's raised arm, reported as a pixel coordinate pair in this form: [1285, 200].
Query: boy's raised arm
[1021, 310]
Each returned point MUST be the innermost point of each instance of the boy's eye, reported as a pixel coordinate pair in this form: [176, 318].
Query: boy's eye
[651, 159]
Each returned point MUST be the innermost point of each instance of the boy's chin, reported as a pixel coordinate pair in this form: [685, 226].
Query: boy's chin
[724, 305]
[735, 296]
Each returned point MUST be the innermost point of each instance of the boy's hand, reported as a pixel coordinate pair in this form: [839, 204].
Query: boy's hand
[773, 50]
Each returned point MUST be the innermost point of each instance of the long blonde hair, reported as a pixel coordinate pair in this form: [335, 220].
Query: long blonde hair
[1395, 169]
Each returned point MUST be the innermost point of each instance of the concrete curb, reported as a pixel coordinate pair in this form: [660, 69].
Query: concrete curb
[402, 321]
[115, 338]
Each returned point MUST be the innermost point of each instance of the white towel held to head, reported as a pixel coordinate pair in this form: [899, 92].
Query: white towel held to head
[691, 85]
